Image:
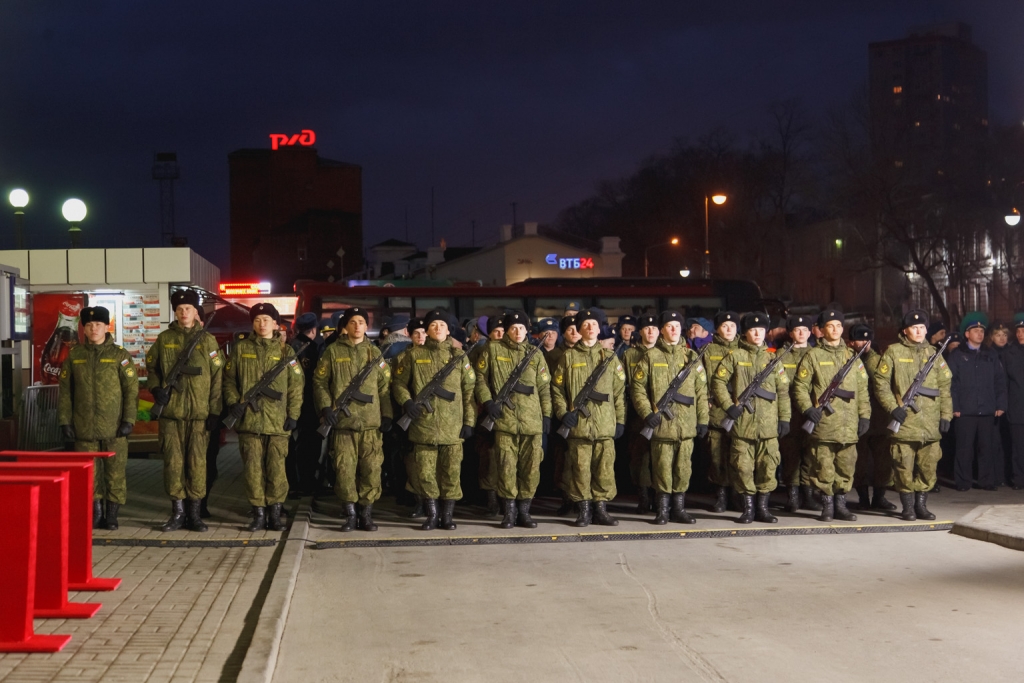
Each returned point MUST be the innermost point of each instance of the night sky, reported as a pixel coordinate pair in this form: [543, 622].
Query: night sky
[487, 102]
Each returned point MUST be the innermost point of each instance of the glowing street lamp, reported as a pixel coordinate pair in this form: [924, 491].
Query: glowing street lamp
[674, 241]
[1012, 218]
[718, 199]
[19, 200]
[74, 213]
[685, 272]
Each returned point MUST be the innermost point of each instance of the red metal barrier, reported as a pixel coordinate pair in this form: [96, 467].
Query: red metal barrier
[52, 548]
[80, 576]
[19, 500]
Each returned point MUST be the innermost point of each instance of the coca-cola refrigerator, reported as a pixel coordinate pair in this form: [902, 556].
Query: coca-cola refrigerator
[55, 330]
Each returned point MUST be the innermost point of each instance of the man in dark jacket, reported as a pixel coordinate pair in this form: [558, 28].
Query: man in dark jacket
[1013, 360]
[979, 397]
[306, 444]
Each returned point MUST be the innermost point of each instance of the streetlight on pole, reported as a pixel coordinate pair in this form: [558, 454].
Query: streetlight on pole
[74, 212]
[674, 241]
[718, 199]
[19, 200]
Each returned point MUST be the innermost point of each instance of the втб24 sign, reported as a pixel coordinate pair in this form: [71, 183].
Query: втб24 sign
[306, 138]
[570, 263]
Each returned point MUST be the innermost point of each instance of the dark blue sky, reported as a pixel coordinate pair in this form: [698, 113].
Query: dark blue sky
[487, 102]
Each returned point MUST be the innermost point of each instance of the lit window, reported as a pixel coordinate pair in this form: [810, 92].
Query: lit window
[899, 163]
[897, 88]
[941, 172]
[917, 124]
[938, 97]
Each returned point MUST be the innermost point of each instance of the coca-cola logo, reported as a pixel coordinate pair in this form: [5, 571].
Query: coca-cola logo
[70, 308]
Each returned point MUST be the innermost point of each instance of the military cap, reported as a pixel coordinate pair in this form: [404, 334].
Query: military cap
[436, 314]
[646, 321]
[972, 320]
[913, 317]
[415, 324]
[861, 332]
[751, 320]
[626, 320]
[350, 313]
[726, 317]
[1018, 320]
[185, 296]
[606, 333]
[667, 317]
[263, 309]
[546, 324]
[494, 322]
[590, 314]
[566, 322]
[830, 314]
[95, 314]
[572, 307]
[305, 322]
[795, 321]
[515, 318]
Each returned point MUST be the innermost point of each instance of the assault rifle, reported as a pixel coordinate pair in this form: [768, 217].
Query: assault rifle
[433, 388]
[512, 384]
[917, 388]
[261, 389]
[672, 395]
[180, 367]
[589, 391]
[746, 399]
[352, 393]
[833, 390]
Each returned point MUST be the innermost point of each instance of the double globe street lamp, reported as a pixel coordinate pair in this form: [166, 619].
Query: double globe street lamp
[74, 213]
[73, 210]
[19, 200]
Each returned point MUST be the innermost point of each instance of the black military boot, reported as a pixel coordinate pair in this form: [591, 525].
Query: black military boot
[97, 514]
[908, 514]
[679, 514]
[566, 507]
[509, 520]
[524, 514]
[192, 518]
[793, 501]
[810, 502]
[601, 515]
[827, 509]
[863, 497]
[879, 502]
[348, 513]
[492, 505]
[661, 501]
[417, 511]
[643, 501]
[762, 514]
[921, 506]
[447, 511]
[110, 522]
[366, 519]
[721, 495]
[259, 519]
[204, 510]
[748, 510]
[430, 510]
[177, 518]
[274, 517]
[841, 512]
[583, 517]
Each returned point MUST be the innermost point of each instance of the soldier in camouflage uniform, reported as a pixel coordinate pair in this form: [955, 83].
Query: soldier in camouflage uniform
[796, 470]
[672, 442]
[417, 331]
[591, 451]
[190, 413]
[356, 444]
[754, 449]
[570, 337]
[263, 434]
[874, 462]
[482, 443]
[915, 448]
[639, 447]
[517, 431]
[724, 343]
[833, 443]
[436, 437]
[98, 400]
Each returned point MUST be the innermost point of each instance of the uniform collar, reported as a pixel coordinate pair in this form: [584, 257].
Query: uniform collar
[720, 340]
[747, 346]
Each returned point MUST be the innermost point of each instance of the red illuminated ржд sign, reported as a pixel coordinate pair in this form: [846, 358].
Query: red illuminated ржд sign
[306, 138]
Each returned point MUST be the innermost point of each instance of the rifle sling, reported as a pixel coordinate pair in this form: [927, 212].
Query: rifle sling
[844, 394]
[761, 392]
[523, 389]
[930, 393]
[684, 400]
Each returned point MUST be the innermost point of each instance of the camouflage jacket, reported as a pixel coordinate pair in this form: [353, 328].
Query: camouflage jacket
[413, 370]
[98, 390]
[252, 358]
[734, 374]
[718, 350]
[201, 396]
[572, 373]
[896, 371]
[650, 380]
[338, 365]
[818, 367]
[493, 367]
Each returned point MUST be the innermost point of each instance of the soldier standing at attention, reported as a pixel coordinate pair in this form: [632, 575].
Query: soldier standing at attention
[723, 344]
[517, 431]
[754, 448]
[570, 337]
[481, 446]
[191, 406]
[796, 476]
[833, 444]
[356, 445]
[874, 462]
[591, 450]
[263, 433]
[915, 447]
[98, 400]
[639, 448]
[436, 437]
[671, 449]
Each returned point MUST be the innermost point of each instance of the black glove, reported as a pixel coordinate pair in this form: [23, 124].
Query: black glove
[212, 422]
[813, 415]
[943, 426]
[734, 411]
[290, 425]
[492, 409]
[330, 417]
[237, 411]
[619, 430]
[863, 425]
[653, 420]
[547, 425]
[124, 429]
[466, 432]
[161, 395]
[570, 419]
[412, 409]
[783, 429]
[900, 414]
[68, 431]
[702, 431]
[385, 424]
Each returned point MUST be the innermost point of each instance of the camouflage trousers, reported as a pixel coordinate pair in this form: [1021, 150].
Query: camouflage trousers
[487, 471]
[753, 465]
[671, 462]
[796, 458]
[183, 444]
[357, 458]
[591, 466]
[874, 462]
[640, 461]
[436, 470]
[263, 455]
[108, 480]
[719, 448]
[913, 465]
[832, 466]
[517, 464]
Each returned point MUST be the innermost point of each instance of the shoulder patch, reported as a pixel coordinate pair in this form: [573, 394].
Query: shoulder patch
[883, 368]
[129, 372]
[639, 374]
[803, 373]
[721, 371]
